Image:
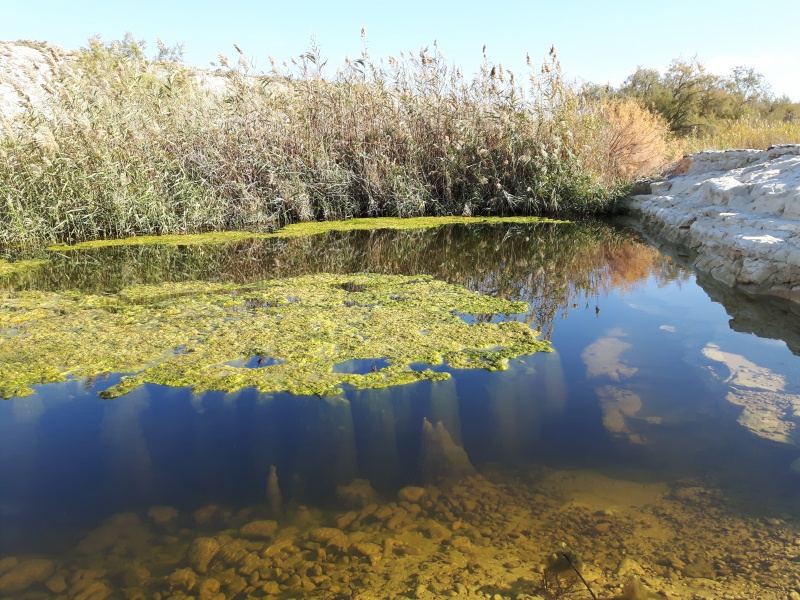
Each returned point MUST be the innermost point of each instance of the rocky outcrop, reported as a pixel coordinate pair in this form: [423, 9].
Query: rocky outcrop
[737, 211]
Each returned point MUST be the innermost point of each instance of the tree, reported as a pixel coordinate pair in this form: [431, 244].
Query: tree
[689, 98]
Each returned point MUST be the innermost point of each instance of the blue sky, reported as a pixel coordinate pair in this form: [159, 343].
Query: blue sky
[599, 41]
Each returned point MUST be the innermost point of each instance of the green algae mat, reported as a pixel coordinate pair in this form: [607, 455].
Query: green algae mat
[298, 230]
[275, 335]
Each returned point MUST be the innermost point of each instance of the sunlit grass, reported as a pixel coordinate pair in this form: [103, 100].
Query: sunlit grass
[748, 132]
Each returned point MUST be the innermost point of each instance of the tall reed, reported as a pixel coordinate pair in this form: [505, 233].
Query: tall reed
[128, 146]
[746, 132]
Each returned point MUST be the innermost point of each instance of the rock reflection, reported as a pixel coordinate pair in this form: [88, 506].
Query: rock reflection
[373, 414]
[769, 409]
[129, 465]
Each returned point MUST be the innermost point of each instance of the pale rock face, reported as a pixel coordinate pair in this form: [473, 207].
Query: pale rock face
[739, 211]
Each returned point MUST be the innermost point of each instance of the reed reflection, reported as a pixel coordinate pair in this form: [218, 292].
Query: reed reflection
[556, 267]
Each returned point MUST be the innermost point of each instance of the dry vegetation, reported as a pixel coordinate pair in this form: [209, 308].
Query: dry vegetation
[130, 146]
[746, 132]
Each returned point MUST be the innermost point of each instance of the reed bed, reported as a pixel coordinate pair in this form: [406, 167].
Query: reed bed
[128, 146]
[747, 132]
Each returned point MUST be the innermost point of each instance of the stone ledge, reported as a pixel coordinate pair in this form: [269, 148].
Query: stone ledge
[739, 212]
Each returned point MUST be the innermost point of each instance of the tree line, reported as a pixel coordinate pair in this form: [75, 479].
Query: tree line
[695, 101]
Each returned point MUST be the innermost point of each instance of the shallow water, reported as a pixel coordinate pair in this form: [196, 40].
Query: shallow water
[669, 403]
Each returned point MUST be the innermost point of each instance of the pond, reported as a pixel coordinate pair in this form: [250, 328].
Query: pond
[647, 434]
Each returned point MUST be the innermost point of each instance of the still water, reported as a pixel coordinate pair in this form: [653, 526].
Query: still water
[656, 440]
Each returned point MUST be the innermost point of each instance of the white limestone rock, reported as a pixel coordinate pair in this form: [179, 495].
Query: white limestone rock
[738, 210]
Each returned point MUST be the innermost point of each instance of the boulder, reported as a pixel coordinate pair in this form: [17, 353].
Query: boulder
[184, 579]
[262, 530]
[202, 552]
[738, 211]
[358, 493]
[411, 494]
[330, 537]
[162, 515]
[24, 574]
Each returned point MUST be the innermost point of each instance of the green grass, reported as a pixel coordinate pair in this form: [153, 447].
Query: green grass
[136, 147]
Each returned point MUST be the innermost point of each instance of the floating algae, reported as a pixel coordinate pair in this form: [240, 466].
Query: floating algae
[297, 230]
[19, 266]
[193, 333]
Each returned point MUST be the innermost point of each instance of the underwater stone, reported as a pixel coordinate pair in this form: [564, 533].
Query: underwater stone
[398, 519]
[343, 521]
[628, 566]
[182, 578]
[383, 513]
[202, 552]
[330, 537]
[253, 563]
[435, 530]
[8, 563]
[209, 589]
[234, 583]
[262, 529]
[135, 576]
[162, 515]
[372, 551]
[358, 493]
[232, 551]
[90, 590]
[634, 589]
[279, 546]
[702, 569]
[411, 493]
[24, 574]
[123, 528]
[271, 588]
[205, 513]
[56, 584]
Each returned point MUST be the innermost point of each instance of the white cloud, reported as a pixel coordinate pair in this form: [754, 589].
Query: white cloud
[782, 71]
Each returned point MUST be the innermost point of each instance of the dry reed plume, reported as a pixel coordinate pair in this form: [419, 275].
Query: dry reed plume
[130, 146]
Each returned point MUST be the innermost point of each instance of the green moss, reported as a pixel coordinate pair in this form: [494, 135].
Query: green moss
[200, 334]
[10, 268]
[296, 230]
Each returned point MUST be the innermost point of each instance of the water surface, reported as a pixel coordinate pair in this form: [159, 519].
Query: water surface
[668, 399]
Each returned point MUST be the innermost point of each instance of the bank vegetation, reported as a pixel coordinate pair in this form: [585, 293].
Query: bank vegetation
[129, 145]
[707, 111]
